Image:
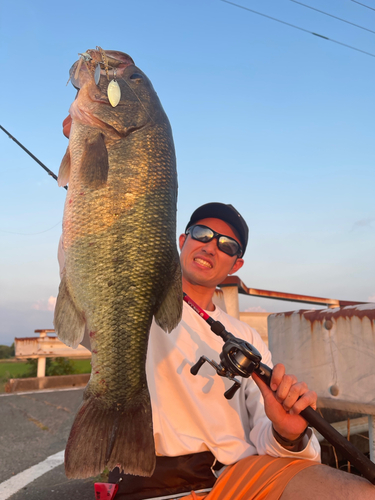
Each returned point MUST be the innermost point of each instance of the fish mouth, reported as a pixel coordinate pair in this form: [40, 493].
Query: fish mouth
[94, 67]
[203, 262]
[109, 61]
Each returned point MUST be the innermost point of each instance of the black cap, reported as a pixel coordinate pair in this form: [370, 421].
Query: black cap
[228, 214]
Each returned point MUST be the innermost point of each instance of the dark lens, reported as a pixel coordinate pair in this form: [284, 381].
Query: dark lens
[228, 245]
[202, 233]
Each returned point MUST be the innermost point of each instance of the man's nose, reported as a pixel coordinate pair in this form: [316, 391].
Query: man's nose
[211, 246]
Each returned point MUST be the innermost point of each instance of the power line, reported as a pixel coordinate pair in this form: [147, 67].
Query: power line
[299, 28]
[335, 17]
[363, 5]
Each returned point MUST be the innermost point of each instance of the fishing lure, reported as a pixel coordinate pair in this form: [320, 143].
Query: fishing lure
[114, 91]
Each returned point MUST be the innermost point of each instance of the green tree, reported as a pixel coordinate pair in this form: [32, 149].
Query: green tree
[6, 352]
[60, 366]
[54, 366]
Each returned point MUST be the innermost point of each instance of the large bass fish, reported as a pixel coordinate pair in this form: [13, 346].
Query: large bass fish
[122, 266]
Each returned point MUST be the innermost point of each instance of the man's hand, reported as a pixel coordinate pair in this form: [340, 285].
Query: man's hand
[284, 401]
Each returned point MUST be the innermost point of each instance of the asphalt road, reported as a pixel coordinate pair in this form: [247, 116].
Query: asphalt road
[33, 427]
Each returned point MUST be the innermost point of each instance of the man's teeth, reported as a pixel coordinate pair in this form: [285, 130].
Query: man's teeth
[203, 262]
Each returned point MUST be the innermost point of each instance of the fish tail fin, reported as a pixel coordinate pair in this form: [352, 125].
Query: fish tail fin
[169, 313]
[108, 437]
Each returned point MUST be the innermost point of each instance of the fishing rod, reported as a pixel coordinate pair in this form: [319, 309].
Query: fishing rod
[239, 358]
[30, 154]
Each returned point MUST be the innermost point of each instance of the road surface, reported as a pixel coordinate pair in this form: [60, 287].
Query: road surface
[33, 427]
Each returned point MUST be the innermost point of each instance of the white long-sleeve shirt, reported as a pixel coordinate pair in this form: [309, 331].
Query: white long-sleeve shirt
[191, 414]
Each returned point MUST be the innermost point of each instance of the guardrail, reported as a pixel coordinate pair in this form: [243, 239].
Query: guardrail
[333, 351]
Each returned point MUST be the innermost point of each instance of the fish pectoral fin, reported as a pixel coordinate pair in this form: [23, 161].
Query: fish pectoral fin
[64, 171]
[94, 165]
[169, 313]
[68, 320]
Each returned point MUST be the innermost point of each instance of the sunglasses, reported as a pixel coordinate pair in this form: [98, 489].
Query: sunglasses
[205, 234]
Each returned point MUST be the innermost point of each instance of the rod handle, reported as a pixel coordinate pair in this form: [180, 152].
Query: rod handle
[350, 452]
[357, 458]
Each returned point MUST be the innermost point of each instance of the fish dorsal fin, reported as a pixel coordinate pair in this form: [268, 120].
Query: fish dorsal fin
[64, 171]
[94, 165]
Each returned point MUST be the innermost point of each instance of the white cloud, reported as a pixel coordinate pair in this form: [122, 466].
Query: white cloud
[45, 305]
[257, 309]
[371, 298]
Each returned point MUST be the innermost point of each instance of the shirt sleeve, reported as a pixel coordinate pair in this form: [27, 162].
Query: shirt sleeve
[261, 434]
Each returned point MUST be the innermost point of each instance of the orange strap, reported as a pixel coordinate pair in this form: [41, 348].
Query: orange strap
[254, 478]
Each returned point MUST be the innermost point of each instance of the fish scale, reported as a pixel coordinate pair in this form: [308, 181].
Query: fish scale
[122, 266]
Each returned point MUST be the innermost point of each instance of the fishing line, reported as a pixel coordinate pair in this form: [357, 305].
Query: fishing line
[30, 234]
[298, 28]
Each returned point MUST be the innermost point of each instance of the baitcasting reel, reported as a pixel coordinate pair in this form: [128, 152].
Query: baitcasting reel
[238, 357]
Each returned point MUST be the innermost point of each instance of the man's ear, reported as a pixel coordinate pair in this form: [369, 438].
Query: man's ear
[181, 240]
[236, 266]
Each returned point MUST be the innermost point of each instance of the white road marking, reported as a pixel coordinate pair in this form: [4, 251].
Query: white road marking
[179, 495]
[19, 481]
[5, 394]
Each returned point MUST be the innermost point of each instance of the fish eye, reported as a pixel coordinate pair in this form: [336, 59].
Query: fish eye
[136, 76]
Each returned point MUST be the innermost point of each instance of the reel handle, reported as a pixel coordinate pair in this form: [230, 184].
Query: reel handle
[220, 370]
[195, 368]
[232, 390]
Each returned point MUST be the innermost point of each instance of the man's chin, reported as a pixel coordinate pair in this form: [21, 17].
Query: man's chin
[201, 279]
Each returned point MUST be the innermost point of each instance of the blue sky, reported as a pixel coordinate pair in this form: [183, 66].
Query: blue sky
[276, 121]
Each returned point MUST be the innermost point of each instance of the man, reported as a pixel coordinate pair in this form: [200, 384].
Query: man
[257, 444]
